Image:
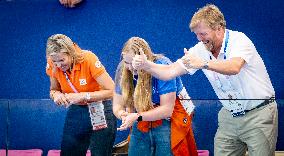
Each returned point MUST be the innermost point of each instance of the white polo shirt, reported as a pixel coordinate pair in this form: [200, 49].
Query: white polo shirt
[252, 82]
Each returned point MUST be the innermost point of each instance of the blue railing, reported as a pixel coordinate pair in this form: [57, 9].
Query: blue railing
[38, 123]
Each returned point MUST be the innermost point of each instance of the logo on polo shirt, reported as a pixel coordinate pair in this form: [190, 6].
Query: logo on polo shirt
[98, 64]
[185, 120]
[83, 82]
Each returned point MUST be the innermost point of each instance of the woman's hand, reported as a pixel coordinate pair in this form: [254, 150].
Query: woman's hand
[60, 99]
[76, 98]
[127, 121]
[122, 114]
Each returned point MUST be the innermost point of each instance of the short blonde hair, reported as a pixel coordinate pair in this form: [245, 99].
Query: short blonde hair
[211, 15]
[58, 43]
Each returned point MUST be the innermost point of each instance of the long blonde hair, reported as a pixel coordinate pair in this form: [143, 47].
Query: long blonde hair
[139, 97]
[58, 43]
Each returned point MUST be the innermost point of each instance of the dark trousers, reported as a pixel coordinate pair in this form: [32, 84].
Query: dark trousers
[78, 135]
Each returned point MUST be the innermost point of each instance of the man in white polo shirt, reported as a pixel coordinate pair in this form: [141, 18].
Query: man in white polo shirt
[249, 117]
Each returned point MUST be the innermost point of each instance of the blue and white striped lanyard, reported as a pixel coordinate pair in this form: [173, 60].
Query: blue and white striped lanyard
[226, 45]
[216, 77]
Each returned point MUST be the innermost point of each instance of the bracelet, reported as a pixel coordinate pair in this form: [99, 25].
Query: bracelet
[87, 97]
[52, 92]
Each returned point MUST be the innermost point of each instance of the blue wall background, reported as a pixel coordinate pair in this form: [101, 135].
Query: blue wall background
[102, 26]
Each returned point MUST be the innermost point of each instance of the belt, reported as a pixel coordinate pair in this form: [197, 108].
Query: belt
[264, 103]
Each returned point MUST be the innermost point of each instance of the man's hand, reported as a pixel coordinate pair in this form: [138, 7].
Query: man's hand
[140, 61]
[192, 61]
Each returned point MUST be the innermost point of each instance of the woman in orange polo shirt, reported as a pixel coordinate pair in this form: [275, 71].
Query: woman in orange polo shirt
[160, 124]
[80, 82]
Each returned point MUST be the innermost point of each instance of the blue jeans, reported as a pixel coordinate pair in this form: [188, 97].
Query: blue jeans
[156, 142]
[78, 135]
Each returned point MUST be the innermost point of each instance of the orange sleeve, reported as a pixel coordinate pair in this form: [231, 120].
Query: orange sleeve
[95, 65]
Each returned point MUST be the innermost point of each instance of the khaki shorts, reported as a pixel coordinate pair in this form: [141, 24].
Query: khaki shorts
[256, 131]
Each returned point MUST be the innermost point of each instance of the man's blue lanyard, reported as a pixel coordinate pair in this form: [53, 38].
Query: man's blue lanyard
[226, 45]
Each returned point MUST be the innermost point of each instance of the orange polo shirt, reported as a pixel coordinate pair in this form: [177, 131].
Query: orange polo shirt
[83, 75]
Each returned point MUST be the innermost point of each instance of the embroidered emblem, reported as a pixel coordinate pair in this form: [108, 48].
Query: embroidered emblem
[98, 64]
[185, 120]
[83, 82]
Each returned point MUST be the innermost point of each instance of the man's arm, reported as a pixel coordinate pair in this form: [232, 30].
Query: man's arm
[227, 67]
[163, 72]
[231, 66]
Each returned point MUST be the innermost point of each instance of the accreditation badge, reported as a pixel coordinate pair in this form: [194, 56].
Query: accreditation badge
[97, 115]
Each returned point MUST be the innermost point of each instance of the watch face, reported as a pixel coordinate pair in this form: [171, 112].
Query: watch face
[88, 96]
[205, 65]
[139, 118]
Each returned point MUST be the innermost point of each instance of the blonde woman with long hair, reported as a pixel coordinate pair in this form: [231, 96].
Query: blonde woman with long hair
[150, 107]
[80, 82]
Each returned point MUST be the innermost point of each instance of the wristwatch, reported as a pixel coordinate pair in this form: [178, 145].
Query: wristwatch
[139, 117]
[88, 97]
[206, 65]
